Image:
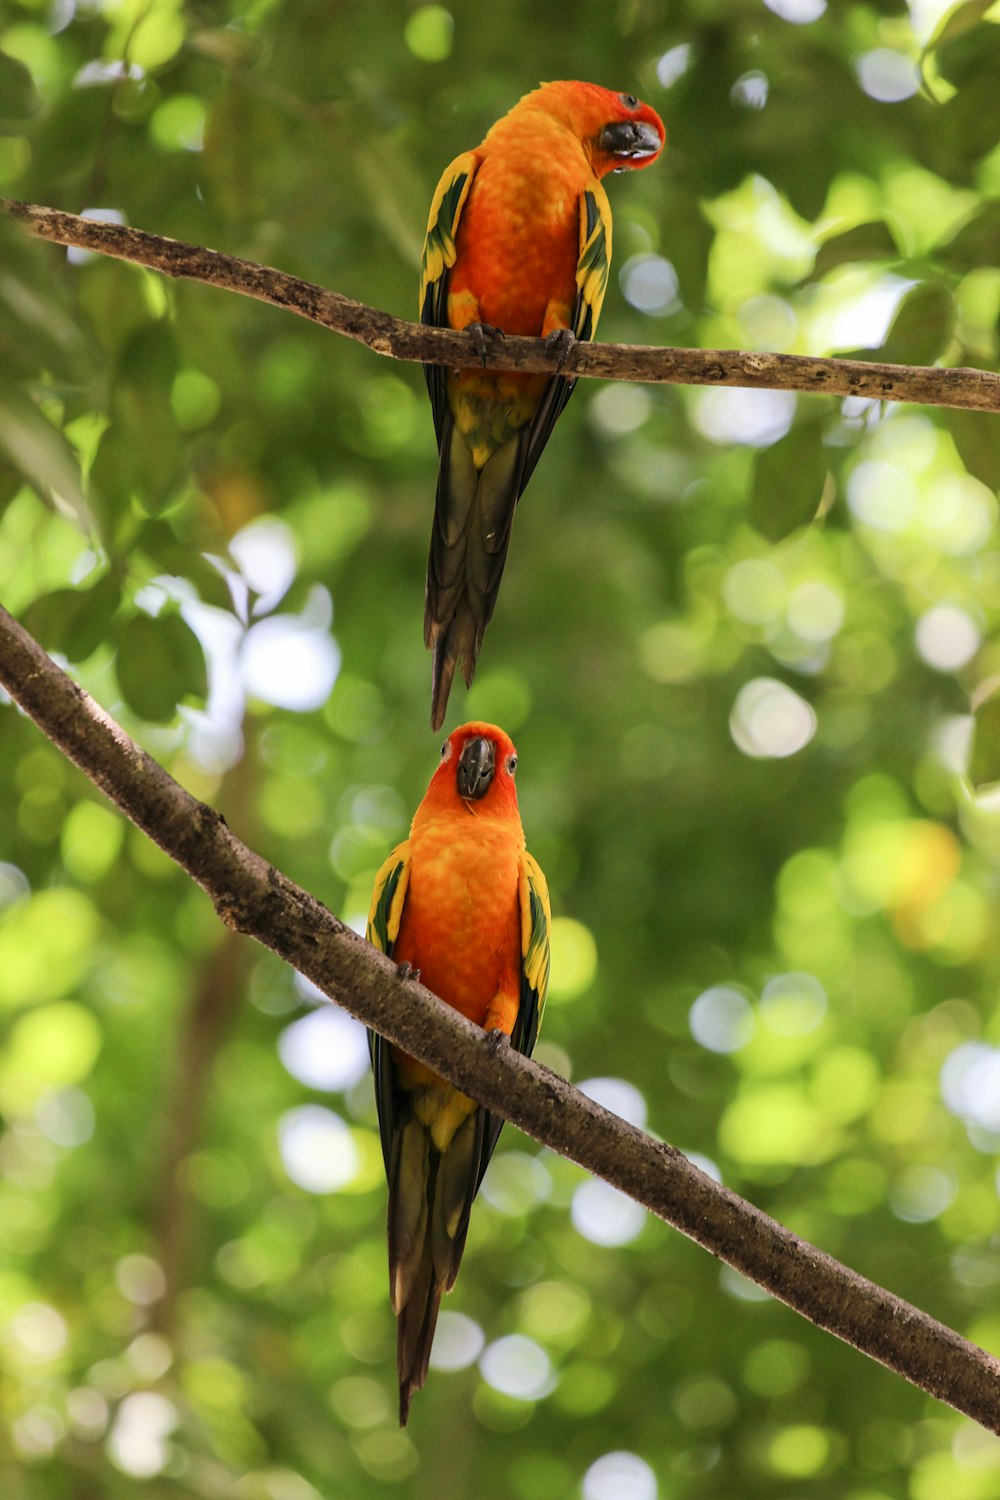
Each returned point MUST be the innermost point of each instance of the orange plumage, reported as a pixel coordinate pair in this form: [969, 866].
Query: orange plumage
[462, 901]
[518, 240]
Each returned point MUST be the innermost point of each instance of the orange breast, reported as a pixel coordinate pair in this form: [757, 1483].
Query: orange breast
[518, 242]
[461, 924]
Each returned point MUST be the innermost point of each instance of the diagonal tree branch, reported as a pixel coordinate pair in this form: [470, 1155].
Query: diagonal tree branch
[253, 897]
[975, 390]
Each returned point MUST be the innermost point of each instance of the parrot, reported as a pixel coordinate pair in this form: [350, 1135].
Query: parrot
[518, 241]
[462, 903]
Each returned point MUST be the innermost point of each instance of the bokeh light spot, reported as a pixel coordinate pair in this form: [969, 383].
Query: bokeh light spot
[815, 611]
[887, 75]
[673, 64]
[428, 33]
[515, 1183]
[734, 415]
[721, 1019]
[458, 1342]
[920, 1193]
[619, 1476]
[289, 661]
[317, 1149]
[769, 721]
[754, 591]
[650, 284]
[140, 1279]
[326, 1049]
[619, 1096]
[138, 1443]
[750, 90]
[947, 637]
[799, 12]
[793, 1004]
[518, 1367]
[574, 959]
[265, 553]
[970, 1084]
[799, 1451]
[605, 1216]
[39, 1331]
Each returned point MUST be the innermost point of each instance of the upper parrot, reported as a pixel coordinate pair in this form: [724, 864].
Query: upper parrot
[518, 241]
[462, 901]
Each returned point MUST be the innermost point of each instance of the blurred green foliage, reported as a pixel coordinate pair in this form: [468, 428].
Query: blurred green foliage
[740, 643]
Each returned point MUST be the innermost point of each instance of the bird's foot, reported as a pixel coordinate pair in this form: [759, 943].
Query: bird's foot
[499, 1041]
[561, 341]
[407, 971]
[483, 335]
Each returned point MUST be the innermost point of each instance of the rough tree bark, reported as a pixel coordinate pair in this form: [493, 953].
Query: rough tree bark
[976, 390]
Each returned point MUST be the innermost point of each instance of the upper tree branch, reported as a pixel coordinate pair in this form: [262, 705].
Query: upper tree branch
[977, 390]
[253, 897]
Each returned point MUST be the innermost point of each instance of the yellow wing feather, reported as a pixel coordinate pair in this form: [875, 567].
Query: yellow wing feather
[594, 265]
[388, 897]
[536, 930]
[442, 225]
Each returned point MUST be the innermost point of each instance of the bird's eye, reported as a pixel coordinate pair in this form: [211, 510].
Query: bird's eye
[629, 101]
[444, 749]
[512, 764]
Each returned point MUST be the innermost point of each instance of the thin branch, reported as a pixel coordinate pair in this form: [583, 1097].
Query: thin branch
[253, 897]
[975, 390]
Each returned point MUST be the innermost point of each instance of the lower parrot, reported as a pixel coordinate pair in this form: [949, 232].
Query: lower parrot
[463, 902]
[518, 241]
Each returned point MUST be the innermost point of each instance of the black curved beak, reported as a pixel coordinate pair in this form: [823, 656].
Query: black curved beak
[632, 140]
[476, 765]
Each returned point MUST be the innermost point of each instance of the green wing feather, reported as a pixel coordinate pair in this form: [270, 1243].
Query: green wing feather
[435, 263]
[536, 930]
[592, 271]
[594, 266]
[384, 917]
[386, 909]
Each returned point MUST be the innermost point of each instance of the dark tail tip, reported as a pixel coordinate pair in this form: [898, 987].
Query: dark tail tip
[442, 673]
[405, 1396]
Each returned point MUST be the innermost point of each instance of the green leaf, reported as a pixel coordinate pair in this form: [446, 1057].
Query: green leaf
[115, 298]
[984, 763]
[975, 436]
[977, 243]
[189, 658]
[163, 547]
[113, 477]
[865, 242]
[788, 481]
[965, 44]
[923, 326]
[240, 138]
[43, 456]
[68, 134]
[18, 95]
[966, 126]
[159, 663]
[145, 441]
[74, 621]
[36, 326]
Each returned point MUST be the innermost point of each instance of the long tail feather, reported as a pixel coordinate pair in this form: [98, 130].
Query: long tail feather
[430, 1199]
[473, 515]
[415, 1325]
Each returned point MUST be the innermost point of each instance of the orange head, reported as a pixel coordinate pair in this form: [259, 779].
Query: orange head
[618, 131]
[476, 774]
